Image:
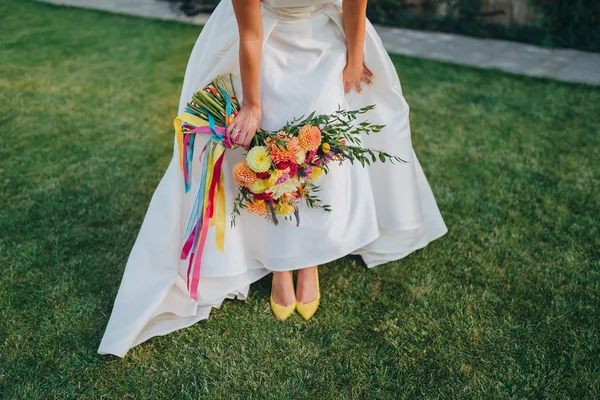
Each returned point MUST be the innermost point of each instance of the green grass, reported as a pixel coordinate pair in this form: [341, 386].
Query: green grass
[504, 306]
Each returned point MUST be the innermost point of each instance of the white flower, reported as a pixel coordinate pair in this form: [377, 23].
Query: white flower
[288, 186]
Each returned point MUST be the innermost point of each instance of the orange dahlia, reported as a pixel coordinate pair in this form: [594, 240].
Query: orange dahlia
[243, 175]
[286, 152]
[258, 207]
[309, 137]
[294, 146]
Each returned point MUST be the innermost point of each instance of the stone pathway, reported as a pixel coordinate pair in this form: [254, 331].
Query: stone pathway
[565, 65]
[141, 8]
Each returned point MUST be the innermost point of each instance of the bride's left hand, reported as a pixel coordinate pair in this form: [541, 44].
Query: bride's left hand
[242, 129]
[355, 74]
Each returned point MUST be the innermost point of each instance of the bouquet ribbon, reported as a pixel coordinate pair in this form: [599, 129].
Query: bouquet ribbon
[209, 206]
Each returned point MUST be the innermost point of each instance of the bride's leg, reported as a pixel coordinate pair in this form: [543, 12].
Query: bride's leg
[306, 285]
[283, 288]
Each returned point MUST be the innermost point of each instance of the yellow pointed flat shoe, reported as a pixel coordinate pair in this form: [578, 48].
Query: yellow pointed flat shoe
[281, 312]
[307, 310]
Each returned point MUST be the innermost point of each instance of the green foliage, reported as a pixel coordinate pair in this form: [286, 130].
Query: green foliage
[505, 306]
[192, 7]
[562, 23]
[571, 23]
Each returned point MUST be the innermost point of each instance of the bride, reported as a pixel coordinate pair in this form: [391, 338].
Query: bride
[288, 58]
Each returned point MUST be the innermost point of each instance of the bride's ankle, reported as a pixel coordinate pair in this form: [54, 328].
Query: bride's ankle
[306, 285]
[309, 271]
[283, 288]
[281, 274]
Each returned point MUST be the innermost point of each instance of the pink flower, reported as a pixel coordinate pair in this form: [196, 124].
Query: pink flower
[283, 178]
[310, 157]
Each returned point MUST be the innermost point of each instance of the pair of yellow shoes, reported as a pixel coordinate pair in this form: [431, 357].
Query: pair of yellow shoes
[306, 310]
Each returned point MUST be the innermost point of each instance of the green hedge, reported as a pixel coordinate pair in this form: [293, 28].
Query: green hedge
[559, 23]
[571, 23]
[192, 7]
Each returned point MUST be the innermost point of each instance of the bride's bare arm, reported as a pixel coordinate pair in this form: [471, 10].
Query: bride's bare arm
[249, 19]
[355, 18]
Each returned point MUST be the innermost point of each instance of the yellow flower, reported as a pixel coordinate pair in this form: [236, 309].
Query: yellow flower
[259, 186]
[300, 157]
[258, 159]
[275, 175]
[316, 172]
[285, 209]
[325, 147]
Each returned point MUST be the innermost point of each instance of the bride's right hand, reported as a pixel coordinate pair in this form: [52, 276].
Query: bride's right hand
[244, 126]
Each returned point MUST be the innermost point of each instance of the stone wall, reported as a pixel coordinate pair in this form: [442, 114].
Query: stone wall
[508, 12]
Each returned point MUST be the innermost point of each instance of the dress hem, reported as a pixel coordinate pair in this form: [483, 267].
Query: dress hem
[346, 250]
[206, 315]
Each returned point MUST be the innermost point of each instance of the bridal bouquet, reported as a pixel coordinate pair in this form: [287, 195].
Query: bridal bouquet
[279, 172]
[281, 167]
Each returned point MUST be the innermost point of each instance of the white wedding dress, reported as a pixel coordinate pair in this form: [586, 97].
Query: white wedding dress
[383, 212]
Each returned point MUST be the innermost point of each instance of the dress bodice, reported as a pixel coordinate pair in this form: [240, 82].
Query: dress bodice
[295, 3]
[291, 10]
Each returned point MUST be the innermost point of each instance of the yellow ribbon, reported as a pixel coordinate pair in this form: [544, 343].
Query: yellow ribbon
[188, 119]
[220, 214]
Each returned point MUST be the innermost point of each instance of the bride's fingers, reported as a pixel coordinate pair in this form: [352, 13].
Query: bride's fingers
[238, 138]
[368, 72]
[366, 79]
[231, 131]
[247, 139]
[357, 87]
[347, 87]
[241, 136]
[238, 134]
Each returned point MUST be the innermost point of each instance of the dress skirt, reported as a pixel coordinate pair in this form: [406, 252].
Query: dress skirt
[382, 212]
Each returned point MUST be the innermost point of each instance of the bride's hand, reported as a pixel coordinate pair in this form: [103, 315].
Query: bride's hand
[354, 75]
[244, 126]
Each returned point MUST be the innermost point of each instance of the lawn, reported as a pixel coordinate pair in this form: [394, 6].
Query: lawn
[506, 305]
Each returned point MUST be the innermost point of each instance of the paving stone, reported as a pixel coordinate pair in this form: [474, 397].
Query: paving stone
[583, 68]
